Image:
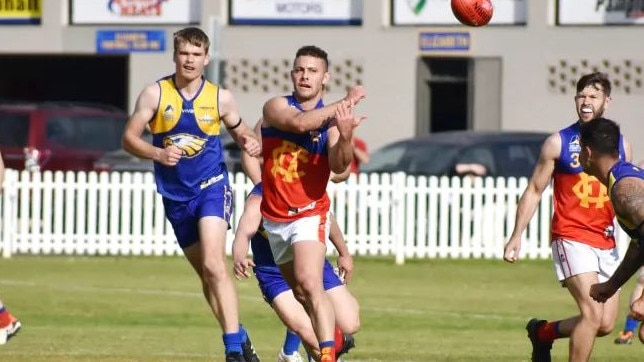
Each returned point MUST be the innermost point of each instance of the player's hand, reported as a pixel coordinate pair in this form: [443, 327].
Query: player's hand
[345, 120]
[601, 292]
[170, 156]
[241, 268]
[345, 268]
[511, 250]
[251, 145]
[637, 309]
[355, 94]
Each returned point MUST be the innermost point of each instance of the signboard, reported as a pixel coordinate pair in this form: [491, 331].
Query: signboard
[20, 12]
[126, 41]
[135, 12]
[295, 12]
[600, 12]
[439, 12]
[444, 41]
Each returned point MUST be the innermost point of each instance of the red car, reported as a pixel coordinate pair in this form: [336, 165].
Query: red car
[66, 136]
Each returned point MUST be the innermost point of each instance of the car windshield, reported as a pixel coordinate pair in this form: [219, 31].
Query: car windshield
[413, 158]
[82, 131]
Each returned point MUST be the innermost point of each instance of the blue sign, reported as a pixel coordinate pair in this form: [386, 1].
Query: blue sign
[434, 41]
[126, 41]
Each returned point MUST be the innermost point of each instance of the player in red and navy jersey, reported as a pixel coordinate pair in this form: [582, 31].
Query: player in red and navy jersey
[583, 244]
[303, 140]
[185, 113]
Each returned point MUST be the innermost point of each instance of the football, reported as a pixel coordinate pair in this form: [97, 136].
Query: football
[473, 12]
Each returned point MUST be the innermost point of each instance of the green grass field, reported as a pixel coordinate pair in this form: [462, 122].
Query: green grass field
[151, 309]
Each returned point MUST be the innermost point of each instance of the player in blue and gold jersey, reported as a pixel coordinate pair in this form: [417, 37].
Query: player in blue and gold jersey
[625, 183]
[185, 114]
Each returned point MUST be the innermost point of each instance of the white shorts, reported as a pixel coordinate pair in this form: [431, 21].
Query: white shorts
[282, 235]
[572, 258]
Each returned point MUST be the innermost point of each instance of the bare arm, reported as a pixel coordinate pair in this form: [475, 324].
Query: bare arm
[345, 260]
[248, 225]
[278, 114]
[632, 261]
[144, 111]
[238, 129]
[530, 198]
[252, 166]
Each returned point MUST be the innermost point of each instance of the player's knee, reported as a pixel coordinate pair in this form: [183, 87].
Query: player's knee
[605, 329]
[350, 326]
[213, 271]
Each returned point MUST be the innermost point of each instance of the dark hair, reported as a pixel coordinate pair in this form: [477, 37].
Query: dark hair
[601, 135]
[594, 79]
[192, 35]
[312, 50]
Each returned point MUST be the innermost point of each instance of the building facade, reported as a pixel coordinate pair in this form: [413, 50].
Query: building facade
[422, 72]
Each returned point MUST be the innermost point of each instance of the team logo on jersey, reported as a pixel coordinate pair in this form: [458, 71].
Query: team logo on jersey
[207, 118]
[609, 231]
[190, 145]
[168, 113]
[574, 145]
[590, 192]
[286, 159]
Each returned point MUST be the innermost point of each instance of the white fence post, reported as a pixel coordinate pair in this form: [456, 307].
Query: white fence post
[399, 220]
[8, 200]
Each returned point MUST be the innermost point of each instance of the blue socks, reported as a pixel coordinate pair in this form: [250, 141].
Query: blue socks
[233, 341]
[631, 324]
[291, 342]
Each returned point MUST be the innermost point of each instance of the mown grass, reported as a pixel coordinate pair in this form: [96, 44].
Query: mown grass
[151, 309]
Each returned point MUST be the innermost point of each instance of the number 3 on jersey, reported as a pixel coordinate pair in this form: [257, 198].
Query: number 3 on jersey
[575, 160]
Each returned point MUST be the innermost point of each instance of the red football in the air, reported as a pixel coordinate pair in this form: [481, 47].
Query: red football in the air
[473, 12]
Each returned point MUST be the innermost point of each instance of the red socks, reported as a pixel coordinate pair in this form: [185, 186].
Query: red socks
[548, 332]
[5, 317]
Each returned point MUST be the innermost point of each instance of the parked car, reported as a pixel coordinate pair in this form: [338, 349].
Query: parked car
[67, 136]
[453, 153]
[120, 160]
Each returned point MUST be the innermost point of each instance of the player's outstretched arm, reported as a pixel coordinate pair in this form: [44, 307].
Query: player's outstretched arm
[247, 227]
[530, 198]
[279, 114]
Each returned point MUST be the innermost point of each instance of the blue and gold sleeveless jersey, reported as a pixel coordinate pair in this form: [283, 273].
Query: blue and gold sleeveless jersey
[618, 172]
[194, 126]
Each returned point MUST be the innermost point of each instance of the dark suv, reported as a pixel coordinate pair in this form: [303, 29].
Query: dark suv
[67, 136]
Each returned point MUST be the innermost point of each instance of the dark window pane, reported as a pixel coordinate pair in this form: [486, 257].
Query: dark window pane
[14, 129]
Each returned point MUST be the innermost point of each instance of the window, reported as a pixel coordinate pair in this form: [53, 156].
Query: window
[14, 129]
[91, 132]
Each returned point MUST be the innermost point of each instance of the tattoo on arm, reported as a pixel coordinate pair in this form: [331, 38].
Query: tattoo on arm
[628, 200]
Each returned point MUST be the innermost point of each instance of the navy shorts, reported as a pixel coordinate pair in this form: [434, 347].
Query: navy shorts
[272, 284]
[216, 200]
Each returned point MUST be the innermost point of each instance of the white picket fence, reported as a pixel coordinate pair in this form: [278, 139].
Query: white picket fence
[387, 215]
